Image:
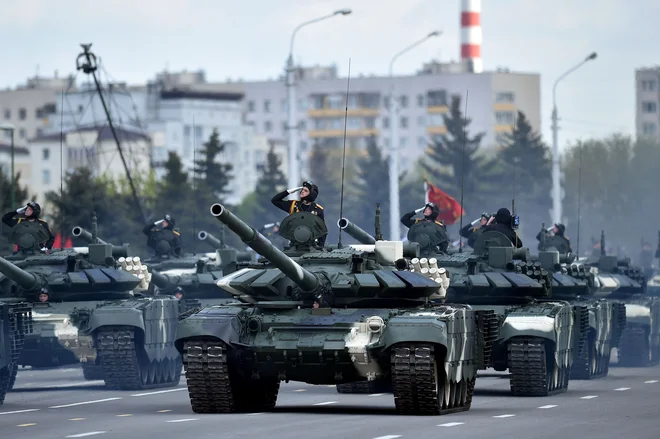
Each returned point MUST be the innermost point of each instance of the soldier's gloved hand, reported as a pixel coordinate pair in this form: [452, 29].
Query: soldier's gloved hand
[21, 210]
[421, 209]
[44, 249]
[475, 222]
[294, 189]
[158, 222]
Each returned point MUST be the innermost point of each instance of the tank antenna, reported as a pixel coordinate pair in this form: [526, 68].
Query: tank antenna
[602, 243]
[379, 231]
[194, 187]
[460, 240]
[62, 169]
[577, 253]
[95, 232]
[343, 160]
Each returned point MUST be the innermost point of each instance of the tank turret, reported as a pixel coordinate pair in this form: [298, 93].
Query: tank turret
[410, 249]
[226, 254]
[431, 236]
[117, 251]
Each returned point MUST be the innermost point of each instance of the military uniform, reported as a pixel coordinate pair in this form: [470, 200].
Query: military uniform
[307, 204]
[156, 234]
[8, 218]
[502, 224]
[408, 221]
[561, 229]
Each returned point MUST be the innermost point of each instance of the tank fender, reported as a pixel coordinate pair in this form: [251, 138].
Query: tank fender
[640, 314]
[109, 316]
[528, 326]
[226, 328]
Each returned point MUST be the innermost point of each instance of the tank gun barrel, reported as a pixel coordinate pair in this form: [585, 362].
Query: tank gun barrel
[24, 279]
[161, 280]
[212, 240]
[306, 280]
[356, 232]
[86, 235]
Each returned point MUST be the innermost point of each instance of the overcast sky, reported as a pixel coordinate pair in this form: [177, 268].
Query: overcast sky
[249, 39]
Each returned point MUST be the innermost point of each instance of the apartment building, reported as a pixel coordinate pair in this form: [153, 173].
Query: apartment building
[647, 90]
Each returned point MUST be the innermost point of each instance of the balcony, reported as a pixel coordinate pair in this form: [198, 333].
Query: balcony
[504, 106]
[338, 112]
[436, 130]
[364, 132]
[437, 109]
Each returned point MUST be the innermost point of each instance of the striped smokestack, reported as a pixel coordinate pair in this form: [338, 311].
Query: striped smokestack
[471, 35]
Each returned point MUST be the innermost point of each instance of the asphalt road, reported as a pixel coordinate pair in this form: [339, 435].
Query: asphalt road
[60, 404]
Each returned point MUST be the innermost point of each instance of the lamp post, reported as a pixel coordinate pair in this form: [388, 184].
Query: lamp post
[11, 128]
[556, 185]
[294, 168]
[394, 146]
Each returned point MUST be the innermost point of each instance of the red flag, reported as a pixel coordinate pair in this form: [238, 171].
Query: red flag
[450, 209]
[58, 241]
[68, 243]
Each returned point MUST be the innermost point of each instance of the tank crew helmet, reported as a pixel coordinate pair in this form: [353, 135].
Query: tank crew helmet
[503, 216]
[170, 221]
[560, 229]
[435, 211]
[36, 209]
[313, 191]
[486, 215]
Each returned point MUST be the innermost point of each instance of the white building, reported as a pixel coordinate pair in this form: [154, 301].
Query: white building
[262, 145]
[92, 147]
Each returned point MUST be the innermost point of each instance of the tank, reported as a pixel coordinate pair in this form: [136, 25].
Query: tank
[329, 317]
[538, 336]
[640, 342]
[15, 325]
[578, 284]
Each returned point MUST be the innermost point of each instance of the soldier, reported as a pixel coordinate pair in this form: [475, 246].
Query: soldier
[471, 231]
[557, 230]
[44, 295]
[31, 212]
[502, 222]
[163, 230]
[308, 193]
[178, 293]
[430, 212]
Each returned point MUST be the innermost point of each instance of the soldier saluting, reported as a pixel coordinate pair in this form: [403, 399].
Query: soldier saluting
[31, 212]
[163, 230]
[308, 193]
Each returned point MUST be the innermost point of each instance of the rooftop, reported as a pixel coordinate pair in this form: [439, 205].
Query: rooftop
[179, 93]
[6, 148]
[104, 134]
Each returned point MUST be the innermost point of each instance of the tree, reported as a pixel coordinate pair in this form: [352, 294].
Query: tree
[527, 166]
[271, 182]
[20, 198]
[446, 161]
[329, 190]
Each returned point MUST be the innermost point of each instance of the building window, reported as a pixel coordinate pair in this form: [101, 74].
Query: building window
[198, 133]
[403, 100]
[7, 114]
[45, 153]
[386, 122]
[504, 97]
[268, 126]
[386, 101]
[186, 131]
[21, 133]
[22, 113]
[404, 122]
[421, 121]
[302, 104]
[370, 122]
[266, 106]
[436, 120]
[403, 142]
[649, 129]
[302, 125]
[504, 117]
[649, 107]
[420, 100]
[436, 98]
[45, 176]
[501, 139]
[251, 106]
[284, 105]
[80, 108]
[648, 85]
[422, 142]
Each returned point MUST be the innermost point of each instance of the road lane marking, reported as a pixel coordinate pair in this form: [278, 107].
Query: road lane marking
[164, 411]
[77, 419]
[19, 411]
[621, 389]
[589, 397]
[504, 416]
[377, 394]
[83, 403]
[650, 381]
[124, 415]
[326, 403]
[91, 433]
[25, 425]
[184, 420]
[389, 436]
[549, 406]
[161, 391]
[450, 424]
[300, 390]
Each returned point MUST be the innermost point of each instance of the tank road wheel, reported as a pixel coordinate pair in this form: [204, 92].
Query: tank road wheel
[215, 384]
[92, 370]
[420, 384]
[365, 387]
[124, 363]
[534, 371]
[5, 373]
[635, 348]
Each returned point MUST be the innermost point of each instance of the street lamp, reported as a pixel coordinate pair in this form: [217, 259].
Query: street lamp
[394, 147]
[11, 128]
[294, 168]
[556, 185]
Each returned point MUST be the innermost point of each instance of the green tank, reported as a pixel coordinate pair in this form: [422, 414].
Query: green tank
[372, 323]
[640, 342]
[538, 337]
[15, 325]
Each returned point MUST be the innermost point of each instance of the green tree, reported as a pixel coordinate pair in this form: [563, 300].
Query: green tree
[455, 155]
[270, 182]
[20, 198]
[527, 166]
[329, 197]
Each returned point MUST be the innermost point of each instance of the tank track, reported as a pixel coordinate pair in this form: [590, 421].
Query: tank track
[591, 365]
[4, 382]
[13, 371]
[582, 318]
[489, 327]
[528, 365]
[125, 366]
[92, 371]
[20, 324]
[619, 323]
[415, 374]
[635, 350]
[215, 384]
[365, 387]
